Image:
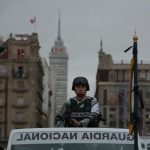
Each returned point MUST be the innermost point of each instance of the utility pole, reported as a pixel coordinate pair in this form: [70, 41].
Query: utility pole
[135, 88]
[135, 112]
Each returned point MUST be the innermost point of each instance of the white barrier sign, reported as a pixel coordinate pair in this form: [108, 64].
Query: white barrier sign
[71, 137]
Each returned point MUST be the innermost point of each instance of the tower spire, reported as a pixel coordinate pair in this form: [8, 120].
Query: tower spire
[101, 45]
[59, 42]
[135, 37]
[59, 26]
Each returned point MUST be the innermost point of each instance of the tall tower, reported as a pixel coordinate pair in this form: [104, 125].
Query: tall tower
[59, 73]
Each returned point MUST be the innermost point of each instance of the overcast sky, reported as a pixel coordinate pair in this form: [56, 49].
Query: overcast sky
[83, 24]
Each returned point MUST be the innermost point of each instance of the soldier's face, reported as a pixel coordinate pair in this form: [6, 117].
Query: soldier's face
[80, 90]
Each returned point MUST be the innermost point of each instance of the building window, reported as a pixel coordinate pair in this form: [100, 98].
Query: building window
[1, 101]
[1, 85]
[148, 76]
[127, 75]
[121, 112]
[120, 76]
[113, 98]
[20, 53]
[20, 85]
[20, 101]
[19, 72]
[142, 75]
[112, 109]
[148, 116]
[2, 71]
[105, 97]
[111, 116]
[103, 75]
[121, 96]
[19, 116]
[112, 123]
[1, 116]
[112, 75]
[105, 115]
[147, 98]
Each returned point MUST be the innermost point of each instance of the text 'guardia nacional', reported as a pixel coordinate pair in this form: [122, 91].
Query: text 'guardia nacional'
[36, 136]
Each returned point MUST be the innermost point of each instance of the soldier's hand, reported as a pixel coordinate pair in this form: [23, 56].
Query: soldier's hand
[75, 123]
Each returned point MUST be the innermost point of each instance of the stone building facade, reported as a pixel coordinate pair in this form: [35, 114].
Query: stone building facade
[112, 91]
[21, 86]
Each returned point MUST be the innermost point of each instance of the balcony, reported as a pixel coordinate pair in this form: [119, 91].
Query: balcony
[20, 106]
[20, 90]
[19, 122]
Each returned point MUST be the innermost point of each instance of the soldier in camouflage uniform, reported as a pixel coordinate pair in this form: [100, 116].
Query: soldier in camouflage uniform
[81, 110]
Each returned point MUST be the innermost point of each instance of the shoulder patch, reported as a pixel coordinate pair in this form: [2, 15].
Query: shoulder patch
[94, 101]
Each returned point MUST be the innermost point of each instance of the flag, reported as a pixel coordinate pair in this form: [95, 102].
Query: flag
[33, 20]
[131, 95]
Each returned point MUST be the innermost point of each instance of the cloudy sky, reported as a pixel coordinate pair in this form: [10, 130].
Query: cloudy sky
[83, 24]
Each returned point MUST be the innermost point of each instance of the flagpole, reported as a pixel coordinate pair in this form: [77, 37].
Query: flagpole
[35, 25]
[134, 117]
[33, 22]
[135, 112]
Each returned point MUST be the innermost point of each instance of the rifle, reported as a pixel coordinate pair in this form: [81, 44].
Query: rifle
[100, 118]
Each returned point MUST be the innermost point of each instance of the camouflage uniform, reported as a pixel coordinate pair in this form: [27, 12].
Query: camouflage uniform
[85, 111]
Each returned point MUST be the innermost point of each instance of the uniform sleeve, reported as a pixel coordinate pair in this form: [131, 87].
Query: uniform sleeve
[60, 117]
[95, 108]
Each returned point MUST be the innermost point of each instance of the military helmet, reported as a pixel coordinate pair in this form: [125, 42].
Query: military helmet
[80, 80]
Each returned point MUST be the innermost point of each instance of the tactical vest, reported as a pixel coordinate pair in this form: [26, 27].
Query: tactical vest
[82, 110]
